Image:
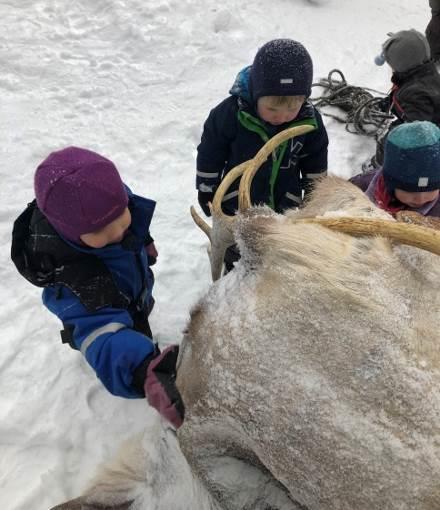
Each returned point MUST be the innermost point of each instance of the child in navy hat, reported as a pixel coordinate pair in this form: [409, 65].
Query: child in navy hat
[85, 239]
[267, 97]
[416, 82]
[410, 176]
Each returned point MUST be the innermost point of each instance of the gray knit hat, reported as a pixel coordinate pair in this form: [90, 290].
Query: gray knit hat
[404, 50]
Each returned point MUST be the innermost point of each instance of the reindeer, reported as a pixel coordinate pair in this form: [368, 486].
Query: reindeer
[310, 373]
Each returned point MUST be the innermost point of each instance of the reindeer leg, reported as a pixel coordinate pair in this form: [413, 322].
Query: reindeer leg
[240, 485]
[231, 472]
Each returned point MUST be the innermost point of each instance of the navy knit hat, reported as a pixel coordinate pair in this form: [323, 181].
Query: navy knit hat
[281, 67]
[412, 157]
[79, 191]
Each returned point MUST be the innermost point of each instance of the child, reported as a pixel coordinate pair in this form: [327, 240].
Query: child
[415, 94]
[433, 29]
[410, 176]
[86, 241]
[266, 98]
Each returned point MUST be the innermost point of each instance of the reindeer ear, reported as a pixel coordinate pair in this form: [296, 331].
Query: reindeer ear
[84, 503]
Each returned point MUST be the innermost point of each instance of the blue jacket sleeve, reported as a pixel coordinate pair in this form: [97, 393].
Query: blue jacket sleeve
[213, 151]
[105, 338]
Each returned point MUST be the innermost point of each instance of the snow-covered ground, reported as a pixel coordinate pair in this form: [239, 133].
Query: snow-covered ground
[134, 80]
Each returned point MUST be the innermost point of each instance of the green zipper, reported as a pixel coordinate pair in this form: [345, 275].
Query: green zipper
[255, 125]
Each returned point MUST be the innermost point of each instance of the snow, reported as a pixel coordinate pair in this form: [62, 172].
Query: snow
[134, 81]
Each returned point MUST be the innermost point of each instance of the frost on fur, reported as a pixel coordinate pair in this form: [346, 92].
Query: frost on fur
[310, 376]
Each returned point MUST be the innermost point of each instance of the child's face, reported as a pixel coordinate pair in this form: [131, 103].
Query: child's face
[112, 233]
[279, 114]
[416, 199]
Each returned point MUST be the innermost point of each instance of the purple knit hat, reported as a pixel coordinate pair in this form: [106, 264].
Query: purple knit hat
[79, 191]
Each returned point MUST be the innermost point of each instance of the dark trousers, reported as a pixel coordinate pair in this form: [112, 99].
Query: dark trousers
[433, 35]
[380, 145]
[232, 255]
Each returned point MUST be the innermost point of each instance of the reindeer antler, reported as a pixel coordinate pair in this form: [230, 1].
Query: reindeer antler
[244, 192]
[423, 237]
[221, 232]
[416, 218]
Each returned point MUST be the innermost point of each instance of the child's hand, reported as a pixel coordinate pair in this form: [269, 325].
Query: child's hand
[160, 388]
[204, 198]
[384, 104]
[152, 253]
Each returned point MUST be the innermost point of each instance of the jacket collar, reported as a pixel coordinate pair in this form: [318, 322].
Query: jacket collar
[422, 70]
[241, 86]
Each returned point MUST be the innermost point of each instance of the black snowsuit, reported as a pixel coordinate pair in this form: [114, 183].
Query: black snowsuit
[415, 96]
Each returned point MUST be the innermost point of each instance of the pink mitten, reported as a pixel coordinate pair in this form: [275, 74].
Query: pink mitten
[160, 386]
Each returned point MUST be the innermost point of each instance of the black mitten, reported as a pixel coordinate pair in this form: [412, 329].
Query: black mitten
[205, 197]
[384, 104]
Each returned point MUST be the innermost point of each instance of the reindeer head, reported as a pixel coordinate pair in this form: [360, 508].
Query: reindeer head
[415, 232]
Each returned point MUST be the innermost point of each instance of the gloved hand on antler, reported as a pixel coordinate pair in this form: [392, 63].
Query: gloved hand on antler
[384, 104]
[204, 198]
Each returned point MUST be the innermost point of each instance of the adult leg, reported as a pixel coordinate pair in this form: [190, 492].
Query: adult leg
[433, 29]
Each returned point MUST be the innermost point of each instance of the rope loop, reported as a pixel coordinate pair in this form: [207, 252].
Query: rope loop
[363, 113]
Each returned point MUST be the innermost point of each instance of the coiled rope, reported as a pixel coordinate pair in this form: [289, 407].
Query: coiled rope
[362, 112]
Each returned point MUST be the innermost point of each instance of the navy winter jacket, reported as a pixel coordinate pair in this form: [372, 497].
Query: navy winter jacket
[233, 133]
[104, 334]
[416, 94]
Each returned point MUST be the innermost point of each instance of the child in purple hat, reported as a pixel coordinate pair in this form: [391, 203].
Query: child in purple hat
[85, 239]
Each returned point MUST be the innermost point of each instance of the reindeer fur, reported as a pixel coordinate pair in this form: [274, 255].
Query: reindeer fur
[318, 359]
[310, 376]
